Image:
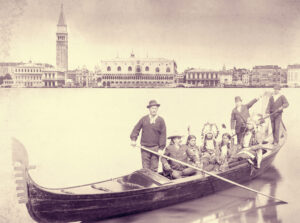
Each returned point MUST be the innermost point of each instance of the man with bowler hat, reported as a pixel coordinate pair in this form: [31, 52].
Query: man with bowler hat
[153, 136]
[239, 116]
[277, 103]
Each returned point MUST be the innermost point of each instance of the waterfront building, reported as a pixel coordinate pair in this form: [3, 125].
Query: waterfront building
[246, 79]
[8, 67]
[62, 43]
[85, 78]
[179, 78]
[267, 75]
[225, 78]
[137, 72]
[28, 75]
[53, 77]
[293, 75]
[202, 78]
[72, 77]
[237, 75]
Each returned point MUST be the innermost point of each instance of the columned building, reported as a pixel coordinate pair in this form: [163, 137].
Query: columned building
[62, 43]
[53, 78]
[293, 75]
[202, 78]
[28, 75]
[137, 72]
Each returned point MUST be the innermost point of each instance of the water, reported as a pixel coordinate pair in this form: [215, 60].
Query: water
[78, 136]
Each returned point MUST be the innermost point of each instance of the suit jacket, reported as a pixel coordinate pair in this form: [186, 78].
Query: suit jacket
[275, 105]
[239, 119]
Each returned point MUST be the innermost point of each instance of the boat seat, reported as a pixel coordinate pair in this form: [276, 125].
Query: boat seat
[146, 178]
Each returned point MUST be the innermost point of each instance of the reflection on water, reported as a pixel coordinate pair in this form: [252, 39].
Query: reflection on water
[232, 205]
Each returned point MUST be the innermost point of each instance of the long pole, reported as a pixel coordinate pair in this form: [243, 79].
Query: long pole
[212, 174]
[261, 119]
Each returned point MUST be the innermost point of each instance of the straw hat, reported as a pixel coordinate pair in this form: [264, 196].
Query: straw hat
[175, 135]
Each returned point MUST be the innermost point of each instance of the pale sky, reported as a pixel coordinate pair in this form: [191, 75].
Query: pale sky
[195, 33]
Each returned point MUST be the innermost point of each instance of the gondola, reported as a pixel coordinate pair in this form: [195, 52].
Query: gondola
[142, 190]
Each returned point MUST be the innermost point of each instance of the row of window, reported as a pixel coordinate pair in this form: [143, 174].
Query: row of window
[293, 77]
[203, 82]
[31, 77]
[137, 82]
[139, 69]
[61, 38]
[138, 62]
[49, 75]
[28, 83]
[202, 76]
[113, 77]
[28, 70]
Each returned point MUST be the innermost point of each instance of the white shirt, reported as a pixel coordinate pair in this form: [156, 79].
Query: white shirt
[153, 119]
[276, 96]
[247, 138]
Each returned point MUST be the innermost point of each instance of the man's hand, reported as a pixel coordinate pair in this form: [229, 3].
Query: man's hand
[280, 108]
[133, 143]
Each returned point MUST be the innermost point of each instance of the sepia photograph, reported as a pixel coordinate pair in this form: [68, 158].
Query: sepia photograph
[142, 111]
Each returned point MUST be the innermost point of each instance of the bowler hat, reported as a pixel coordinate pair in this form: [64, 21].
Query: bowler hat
[153, 103]
[277, 87]
[237, 98]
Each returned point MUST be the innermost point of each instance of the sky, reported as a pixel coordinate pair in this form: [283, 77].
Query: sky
[195, 33]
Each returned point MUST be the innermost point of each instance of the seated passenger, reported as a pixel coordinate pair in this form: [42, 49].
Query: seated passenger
[224, 152]
[179, 152]
[251, 144]
[191, 143]
[208, 150]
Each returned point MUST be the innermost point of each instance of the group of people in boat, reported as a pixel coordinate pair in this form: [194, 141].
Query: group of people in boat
[211, 155]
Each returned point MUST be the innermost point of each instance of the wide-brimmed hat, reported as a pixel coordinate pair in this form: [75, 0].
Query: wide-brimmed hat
[153, 103]
[237, 98]
[277, 87]
[175, 135]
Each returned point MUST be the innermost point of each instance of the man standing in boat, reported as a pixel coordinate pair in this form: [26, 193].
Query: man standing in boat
[153, 136]
[277, 103]
[239, 116]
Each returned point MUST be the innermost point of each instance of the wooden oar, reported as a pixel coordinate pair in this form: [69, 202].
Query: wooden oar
[211, 174]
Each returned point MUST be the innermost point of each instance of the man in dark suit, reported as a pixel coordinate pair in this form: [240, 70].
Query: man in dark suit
[239, 116]
[153, 136]
[277, 103]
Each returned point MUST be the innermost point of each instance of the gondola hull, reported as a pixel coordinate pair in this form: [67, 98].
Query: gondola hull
[65, 205]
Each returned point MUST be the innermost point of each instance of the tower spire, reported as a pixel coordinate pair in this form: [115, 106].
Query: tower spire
[62, 42]
[61, 20]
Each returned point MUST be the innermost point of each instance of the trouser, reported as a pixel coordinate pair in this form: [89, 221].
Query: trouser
[240, 134]
[175, 174]
[150, 160]
[276, 121]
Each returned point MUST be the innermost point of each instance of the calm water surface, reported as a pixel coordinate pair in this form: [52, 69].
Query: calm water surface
[77, 136]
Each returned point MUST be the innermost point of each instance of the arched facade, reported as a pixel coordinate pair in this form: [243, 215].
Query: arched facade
[138, 72]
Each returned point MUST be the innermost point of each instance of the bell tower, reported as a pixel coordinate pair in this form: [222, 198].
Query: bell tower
[62, 42]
